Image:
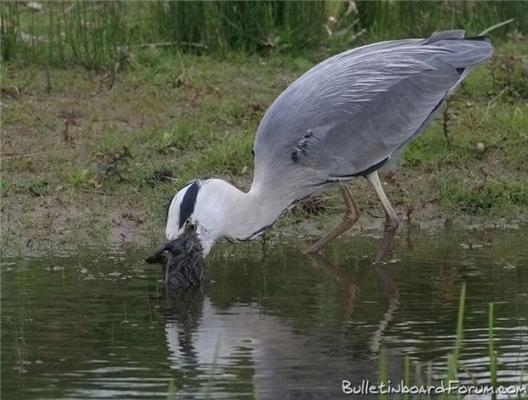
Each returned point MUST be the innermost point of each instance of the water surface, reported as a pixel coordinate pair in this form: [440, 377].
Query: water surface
[269, 324]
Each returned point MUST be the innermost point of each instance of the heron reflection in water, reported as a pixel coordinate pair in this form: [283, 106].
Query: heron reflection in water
[250, 346]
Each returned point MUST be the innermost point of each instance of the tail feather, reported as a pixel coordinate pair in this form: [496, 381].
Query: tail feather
[445, 35]
[464, 53]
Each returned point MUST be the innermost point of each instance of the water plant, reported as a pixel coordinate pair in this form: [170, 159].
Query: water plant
[454, 367]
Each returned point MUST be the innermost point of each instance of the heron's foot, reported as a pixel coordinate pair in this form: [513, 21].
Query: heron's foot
[392, 224]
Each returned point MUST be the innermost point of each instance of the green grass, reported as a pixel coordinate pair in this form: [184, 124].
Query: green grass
[98, 34]
[454, 356]
[182, 116]
[390, 19]
[243, 26]
[78, 177]
[104, 33]
[491, 350]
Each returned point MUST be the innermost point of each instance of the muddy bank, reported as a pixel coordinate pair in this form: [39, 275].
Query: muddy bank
[52, 225]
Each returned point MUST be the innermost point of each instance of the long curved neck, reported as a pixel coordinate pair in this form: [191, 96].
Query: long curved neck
[253, 212]
[238, 215]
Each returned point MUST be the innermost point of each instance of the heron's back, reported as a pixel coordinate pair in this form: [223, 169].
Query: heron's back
[353, 110]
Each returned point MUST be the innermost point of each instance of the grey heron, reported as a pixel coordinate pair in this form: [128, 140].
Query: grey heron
[342, 119]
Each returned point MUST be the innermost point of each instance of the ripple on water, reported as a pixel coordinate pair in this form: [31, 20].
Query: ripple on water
[100, 324]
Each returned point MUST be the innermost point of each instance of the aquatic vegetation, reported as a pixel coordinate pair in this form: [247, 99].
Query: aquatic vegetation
[454, 366]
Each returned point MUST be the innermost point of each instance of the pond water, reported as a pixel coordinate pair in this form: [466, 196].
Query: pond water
[269, 323]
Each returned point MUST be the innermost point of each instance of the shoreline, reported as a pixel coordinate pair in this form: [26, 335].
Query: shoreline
[123, 230]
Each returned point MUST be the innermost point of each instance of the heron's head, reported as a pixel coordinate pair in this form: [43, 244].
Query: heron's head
[189, 241]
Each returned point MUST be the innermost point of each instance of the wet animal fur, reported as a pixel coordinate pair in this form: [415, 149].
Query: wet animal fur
[182, 259]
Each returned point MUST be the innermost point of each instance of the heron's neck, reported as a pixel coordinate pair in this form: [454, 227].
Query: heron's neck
[238, 215]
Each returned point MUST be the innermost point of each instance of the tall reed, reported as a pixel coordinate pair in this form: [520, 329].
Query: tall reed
[92, 32]
[242, 25]
[81, 32]
[491, 351]
[9, 24]
[382, 372]
[397, 19]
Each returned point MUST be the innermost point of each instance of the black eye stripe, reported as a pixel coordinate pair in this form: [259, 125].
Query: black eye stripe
[188, 202]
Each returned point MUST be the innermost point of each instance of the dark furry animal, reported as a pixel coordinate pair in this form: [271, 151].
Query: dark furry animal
[182, 260]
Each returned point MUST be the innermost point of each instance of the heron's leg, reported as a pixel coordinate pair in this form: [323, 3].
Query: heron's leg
[351, 216]
[392, 220]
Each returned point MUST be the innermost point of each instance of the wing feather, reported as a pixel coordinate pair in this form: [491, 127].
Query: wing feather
[355, 109]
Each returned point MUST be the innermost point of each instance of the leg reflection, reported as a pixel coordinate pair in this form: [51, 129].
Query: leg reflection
[343, 278]
[393, 300]
[387, 245]
[352, 289]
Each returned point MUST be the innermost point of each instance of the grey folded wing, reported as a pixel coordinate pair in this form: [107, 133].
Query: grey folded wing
[355, 109]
